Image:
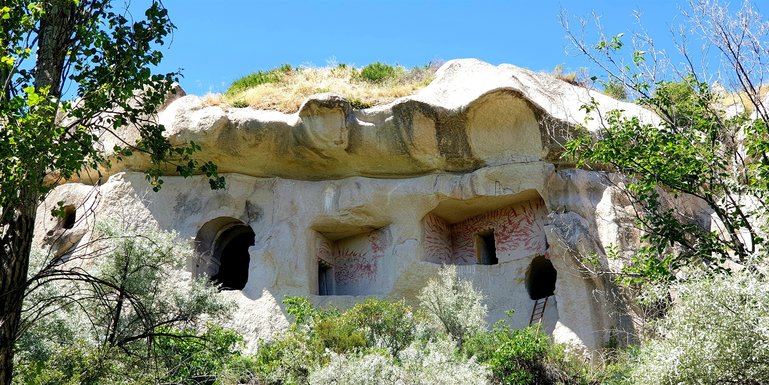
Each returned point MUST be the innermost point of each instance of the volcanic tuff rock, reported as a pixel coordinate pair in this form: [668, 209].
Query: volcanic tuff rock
[339, 204]
[471, 116]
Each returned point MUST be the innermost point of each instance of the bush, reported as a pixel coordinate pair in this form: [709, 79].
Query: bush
[615, 89]
[119, 320]
[454, 304]
[358, 104]
[570, 77]
[521, 359]
[389, 325]
[523, 356]
[74, 364]
[340, 337]
[292, 355]
[715, 333]
[206, 355]
[290, 358]
[438, 361]
[377, 72]
[432, 363]
[386, 342]
[373, 368]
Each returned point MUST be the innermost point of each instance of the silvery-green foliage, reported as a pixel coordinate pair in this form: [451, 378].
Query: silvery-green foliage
[376, 368]
[141, 278]
[432, 363]
[439, 362]
[454, 304]
[716, 332]
[95, 316]
[47, 311]
[126, 284]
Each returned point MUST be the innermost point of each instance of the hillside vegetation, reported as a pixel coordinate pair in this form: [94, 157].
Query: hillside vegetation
[285, 88]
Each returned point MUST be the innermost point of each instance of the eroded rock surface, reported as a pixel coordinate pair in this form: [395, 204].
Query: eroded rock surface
[343, 204]
[471, 116]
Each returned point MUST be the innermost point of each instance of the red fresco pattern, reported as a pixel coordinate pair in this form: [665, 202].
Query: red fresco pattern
[352, 265]
[324, 251]
[437, 239]
[517, 231]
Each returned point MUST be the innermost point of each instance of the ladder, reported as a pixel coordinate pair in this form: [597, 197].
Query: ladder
[538, 312]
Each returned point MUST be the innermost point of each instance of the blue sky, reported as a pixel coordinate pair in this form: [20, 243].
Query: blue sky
[217, 42]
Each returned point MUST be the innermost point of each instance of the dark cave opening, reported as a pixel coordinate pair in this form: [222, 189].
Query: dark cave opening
[540, 278]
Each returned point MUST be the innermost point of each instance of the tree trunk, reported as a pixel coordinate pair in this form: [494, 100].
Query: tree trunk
[15, 246]
[113, 328]
[56, 29]
[18, 225]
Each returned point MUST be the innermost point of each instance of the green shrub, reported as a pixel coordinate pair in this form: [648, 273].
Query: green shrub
[253, 80]
[291, 355]
[339, 337]
[386, 324]
[289, 358]
[615, 89]
[438, 361]
[76, 364]
[385, 342]
[371, 368]
[301, 309]
[377, 72]
[112, 327]
[521, 359]
[185, 357]
[358, 104]
[454, 304]
[715, 333]
[240, 104]
[523, 356]
[434, 362]
[239, 369]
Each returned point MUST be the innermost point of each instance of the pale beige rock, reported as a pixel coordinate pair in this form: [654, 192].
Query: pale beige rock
[347, 204]
[472, 115]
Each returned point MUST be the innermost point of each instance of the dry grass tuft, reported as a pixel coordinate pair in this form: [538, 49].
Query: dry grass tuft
[295, 85]
[211, 99]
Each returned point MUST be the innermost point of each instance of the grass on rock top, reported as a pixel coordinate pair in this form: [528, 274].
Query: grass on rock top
[285, 88]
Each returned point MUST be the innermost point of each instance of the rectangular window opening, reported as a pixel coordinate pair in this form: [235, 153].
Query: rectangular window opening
[325, 278]
[486, 248]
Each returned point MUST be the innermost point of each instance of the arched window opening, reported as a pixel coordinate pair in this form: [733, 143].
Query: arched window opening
[540, 278]
[223, 247]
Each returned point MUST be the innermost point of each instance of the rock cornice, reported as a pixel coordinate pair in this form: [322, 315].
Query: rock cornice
[472, 115]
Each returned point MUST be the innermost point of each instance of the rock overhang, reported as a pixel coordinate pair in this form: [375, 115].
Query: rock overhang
[472, 115]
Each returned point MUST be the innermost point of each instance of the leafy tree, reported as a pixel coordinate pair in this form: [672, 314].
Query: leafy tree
[695, 149]
[711, 146]
[101, 57]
